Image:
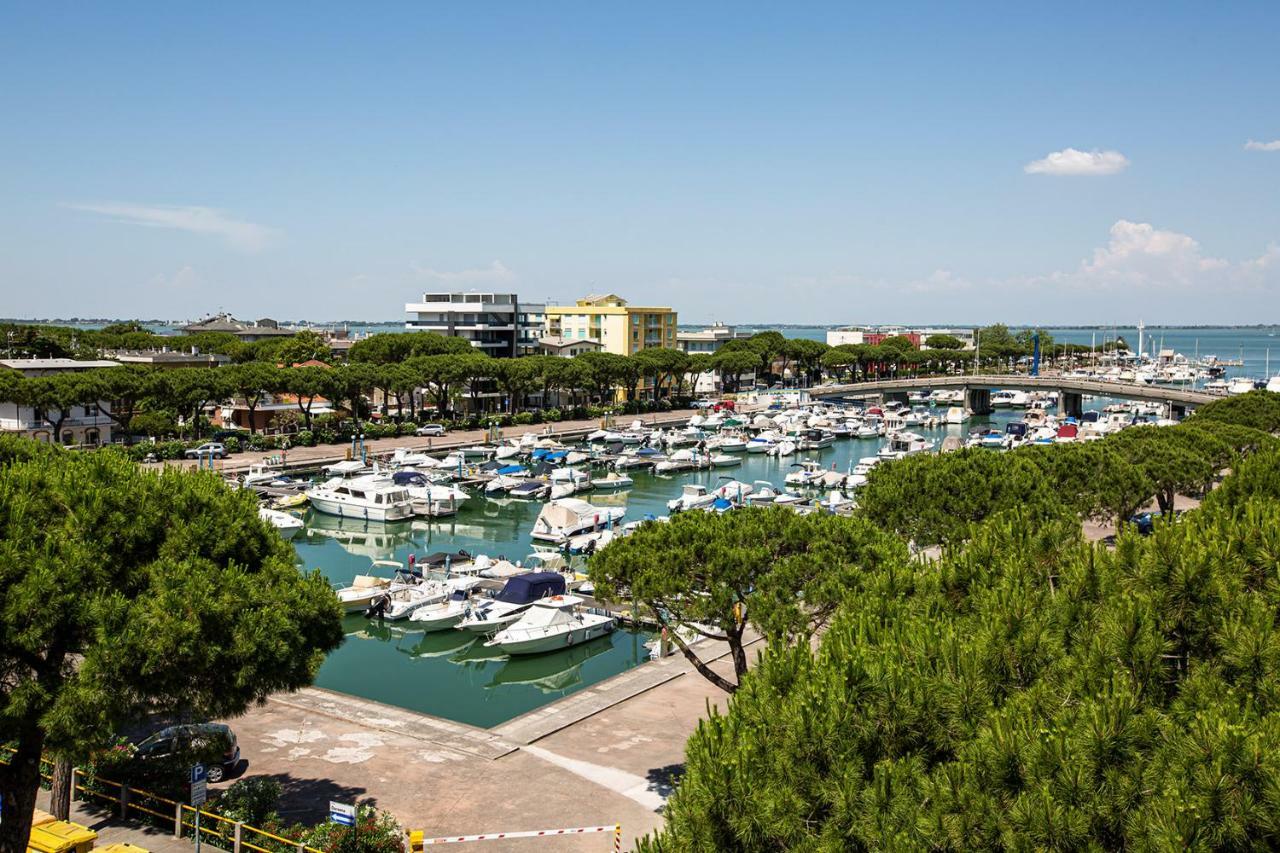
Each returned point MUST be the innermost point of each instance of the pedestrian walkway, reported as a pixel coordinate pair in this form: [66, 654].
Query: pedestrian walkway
[112, 830]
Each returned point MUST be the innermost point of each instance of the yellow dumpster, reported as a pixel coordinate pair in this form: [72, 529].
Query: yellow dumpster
[59, 836]
[40, 816]
[121, 847]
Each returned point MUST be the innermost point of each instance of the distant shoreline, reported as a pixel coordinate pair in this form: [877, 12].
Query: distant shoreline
[399, 324]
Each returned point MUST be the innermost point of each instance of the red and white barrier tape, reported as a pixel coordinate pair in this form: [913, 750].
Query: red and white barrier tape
[532, 833]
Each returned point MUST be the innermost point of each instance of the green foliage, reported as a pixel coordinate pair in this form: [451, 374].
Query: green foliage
[943, 342]
[131, 592]
[254, 800]
[935, 499]
[1024, 693]
[781, 572]
[374, 832]
[302, 347]
[1259, 410]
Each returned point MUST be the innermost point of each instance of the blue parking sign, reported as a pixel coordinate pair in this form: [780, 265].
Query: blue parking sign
[198, 774]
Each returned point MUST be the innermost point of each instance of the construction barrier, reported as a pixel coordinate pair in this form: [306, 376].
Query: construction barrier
[616, 829]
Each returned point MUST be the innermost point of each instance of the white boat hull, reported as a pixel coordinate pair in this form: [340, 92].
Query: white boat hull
[394, 512]
[553, 642]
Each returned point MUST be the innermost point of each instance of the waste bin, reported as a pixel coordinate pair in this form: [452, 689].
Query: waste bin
[59, 836]
[40, 816]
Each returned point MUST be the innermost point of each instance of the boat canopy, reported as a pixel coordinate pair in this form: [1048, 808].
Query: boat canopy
[524, 589]
[410, 478]
[511, 469]
[441, 558]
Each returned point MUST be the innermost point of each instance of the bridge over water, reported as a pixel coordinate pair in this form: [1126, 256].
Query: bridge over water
[978, 390]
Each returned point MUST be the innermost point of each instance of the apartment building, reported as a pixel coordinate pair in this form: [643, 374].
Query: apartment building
[495, 323]
[85, 425]
[620, 327]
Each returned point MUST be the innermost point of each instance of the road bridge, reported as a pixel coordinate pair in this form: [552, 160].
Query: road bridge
[978, 388]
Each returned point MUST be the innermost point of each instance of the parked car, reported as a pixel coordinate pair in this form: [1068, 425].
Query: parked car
[430, 429]
[701, 404]
[725, 406]
[210, 448]
[213, 743]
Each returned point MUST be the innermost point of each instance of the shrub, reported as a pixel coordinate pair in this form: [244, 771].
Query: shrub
[523, 419]
[375, 832]
[406, 428]
[305, 438]
[232, 444]
[253, 801]
[552, 415]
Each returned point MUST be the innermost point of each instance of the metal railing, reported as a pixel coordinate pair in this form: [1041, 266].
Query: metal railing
[141, 805]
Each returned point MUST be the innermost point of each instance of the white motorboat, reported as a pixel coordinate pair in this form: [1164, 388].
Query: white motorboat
[761, 444]
[530, 490]
[516, 596]
[808, 473]
[957, 415]
[644, 457]
[365, 588]
[373, 497]
[1240, 385]
[285, 524]
[551, 624]
[763, 493]
[728, 444]
[734, 491]
[262, 474]
[870, 429]
[569, 481]
[786, 447]
[692, 496]
[427, 498]
[1010, 399]
[613, 481]
[564, 518]
[682, 460]
[724, 460]
[443, 615]
[905, 443]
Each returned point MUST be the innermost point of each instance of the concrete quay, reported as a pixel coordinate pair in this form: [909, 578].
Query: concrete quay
[608, 754]
[312, 458]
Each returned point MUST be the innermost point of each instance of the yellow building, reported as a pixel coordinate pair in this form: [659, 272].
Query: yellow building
[620, 328]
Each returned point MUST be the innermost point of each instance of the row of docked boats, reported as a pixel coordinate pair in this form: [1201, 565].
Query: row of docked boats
[532, 612]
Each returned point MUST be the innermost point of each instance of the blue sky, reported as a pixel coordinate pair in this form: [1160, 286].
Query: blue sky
[784, 162]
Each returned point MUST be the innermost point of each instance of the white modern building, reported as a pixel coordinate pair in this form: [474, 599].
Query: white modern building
[83, 425]
[568, 347]
[495, 323]
[708, 340]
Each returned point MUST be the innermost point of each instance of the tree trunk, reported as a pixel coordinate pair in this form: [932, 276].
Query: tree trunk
[19, 782]
[60, 793]
[705, 671]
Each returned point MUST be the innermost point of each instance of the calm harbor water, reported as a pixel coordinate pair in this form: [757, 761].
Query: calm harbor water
[448, 674]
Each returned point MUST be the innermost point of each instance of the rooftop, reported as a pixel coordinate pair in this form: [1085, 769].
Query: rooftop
[55, 363]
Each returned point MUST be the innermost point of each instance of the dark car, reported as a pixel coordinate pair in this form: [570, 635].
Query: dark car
[212, 743]
[1145, 522]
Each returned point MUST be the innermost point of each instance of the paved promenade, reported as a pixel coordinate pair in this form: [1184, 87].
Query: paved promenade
[324, 454]
[604, 755]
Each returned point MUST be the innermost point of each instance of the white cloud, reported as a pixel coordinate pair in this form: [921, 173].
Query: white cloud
[183, 279]
[1070, 161]
[940, 281]
[245, 236]
[1138, 256]
[496, 272]
[1273, 145]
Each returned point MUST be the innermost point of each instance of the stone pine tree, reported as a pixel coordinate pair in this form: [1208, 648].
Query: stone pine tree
[1023, 692]
[714, 575]
[129, 593]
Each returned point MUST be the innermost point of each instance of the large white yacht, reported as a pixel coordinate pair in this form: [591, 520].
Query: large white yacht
[551, 624]
[374, 497]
